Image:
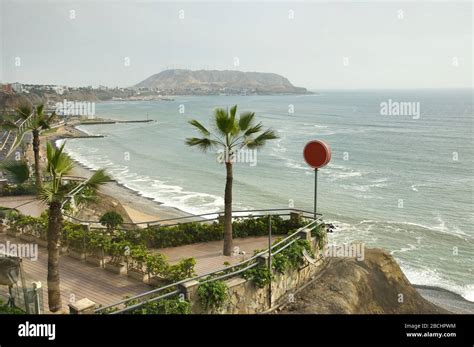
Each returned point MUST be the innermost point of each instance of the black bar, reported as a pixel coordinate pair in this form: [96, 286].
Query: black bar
[255, 329]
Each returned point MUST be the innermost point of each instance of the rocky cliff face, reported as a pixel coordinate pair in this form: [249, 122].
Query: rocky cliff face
[180, 81]
[374, 285]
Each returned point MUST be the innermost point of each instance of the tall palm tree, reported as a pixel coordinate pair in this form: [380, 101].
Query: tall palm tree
[231, 135]
[55, 194]
[34, 120]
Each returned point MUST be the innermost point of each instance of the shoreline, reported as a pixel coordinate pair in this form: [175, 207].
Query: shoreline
[140, 209]
[446, 299]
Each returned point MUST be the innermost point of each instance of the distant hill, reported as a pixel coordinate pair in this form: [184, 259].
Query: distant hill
[208, 82]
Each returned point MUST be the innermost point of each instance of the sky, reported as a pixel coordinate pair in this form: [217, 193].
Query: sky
[315, 44]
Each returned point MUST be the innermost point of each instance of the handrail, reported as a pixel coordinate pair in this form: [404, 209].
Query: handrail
[129, 308]
[316, 222]
[159, 221]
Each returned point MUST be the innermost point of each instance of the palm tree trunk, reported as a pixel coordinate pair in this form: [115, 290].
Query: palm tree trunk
[228, 210]
[55, 226]
[36, 150]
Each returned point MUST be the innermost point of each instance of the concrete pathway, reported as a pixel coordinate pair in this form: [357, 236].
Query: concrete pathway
[26, 204]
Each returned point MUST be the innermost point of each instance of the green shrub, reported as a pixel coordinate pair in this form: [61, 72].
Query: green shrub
[280, 263]
[164, 306]
[320, 233]
[260, 275]
[188, 233]
[156, 265]
[18, 189]
[75, 236]
[118, 250]
[294, 253]
[182, 270]
[97, 242]
[111, 220]
[137, 257]
[213, 295]
[4, 309]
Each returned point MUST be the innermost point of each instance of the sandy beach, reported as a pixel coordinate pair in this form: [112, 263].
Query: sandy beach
[446, 299]
[140, 209]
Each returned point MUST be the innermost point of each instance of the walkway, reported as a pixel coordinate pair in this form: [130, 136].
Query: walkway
[82, 280]
[78, 279]
[27, 204]
[209, 256]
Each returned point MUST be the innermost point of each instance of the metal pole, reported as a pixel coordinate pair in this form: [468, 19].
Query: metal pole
[315, 191]
[270, 259]
[36, 287]
[23, 286]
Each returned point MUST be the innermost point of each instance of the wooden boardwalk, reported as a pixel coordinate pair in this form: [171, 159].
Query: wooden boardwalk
[78, 280]
[82, 280]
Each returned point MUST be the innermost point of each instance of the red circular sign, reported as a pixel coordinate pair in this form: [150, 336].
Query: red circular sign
[317, 154]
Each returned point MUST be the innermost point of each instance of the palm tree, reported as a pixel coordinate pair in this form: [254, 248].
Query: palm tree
[32, 120]
[231, 135]
[55, 194]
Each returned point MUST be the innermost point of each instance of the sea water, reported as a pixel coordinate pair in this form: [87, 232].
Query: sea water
[399, 181]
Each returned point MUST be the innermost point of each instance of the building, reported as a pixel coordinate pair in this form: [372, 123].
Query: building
[60, 89]
[17, 87]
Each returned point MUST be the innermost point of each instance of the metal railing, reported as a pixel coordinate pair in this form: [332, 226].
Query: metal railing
[94, 224]
[222, 273]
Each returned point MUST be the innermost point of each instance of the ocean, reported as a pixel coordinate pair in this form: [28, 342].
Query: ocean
[400, 182]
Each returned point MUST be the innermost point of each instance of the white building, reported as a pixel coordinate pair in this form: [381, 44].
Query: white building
[17, 87]
[60, 89]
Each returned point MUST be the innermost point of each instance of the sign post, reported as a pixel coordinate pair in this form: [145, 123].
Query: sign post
[315, 191]
[316, 154]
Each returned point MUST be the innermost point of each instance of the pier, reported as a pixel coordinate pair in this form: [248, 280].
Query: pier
[115, 121]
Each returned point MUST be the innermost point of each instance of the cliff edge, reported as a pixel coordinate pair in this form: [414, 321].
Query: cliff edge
[373, 285]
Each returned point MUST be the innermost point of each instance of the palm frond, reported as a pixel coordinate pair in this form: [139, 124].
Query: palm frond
[47, 193]
[201, 127]
[202, 143]
[16, 171]
[232, 112]
[97, 179]
[39, 109]
[25, 126]
[52, 118]
[59, 163]
[8, 125]
[222, 121]
[246, 119]
[25, 110]
[254, 129]
[261, 139]
[44, 122]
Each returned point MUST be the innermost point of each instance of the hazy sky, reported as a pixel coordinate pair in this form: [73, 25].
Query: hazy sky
[323, 45]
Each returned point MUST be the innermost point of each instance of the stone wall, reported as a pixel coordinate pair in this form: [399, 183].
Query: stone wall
[245, 297]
